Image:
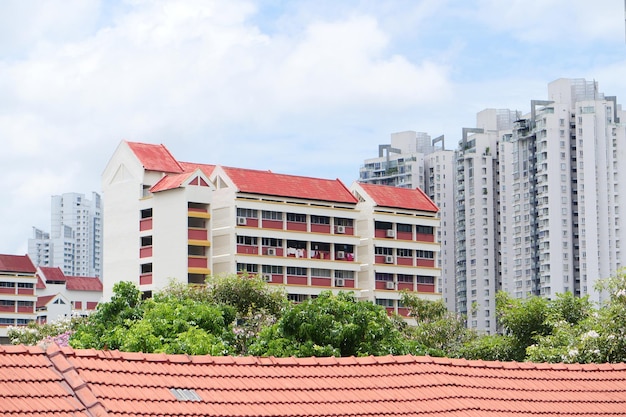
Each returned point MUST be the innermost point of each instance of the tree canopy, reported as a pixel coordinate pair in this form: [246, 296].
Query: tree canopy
[242, 315]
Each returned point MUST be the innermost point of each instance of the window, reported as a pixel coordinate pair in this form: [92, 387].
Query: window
[247, 240]
[320, 219]
[344, 274]
[343, 222]
[249, 268]
[404, 228]
[275, 243]
[383, 251]
[249, 213]
[296, 217]
[384, 277]
[25, 285]
[425, 254]
[384, 302]
[272, 269]
[4, 284]
[405, 278]
[292, 270]
[422, 279]
[428, 230]
[405, 253]
[272, 215]
[317, 272]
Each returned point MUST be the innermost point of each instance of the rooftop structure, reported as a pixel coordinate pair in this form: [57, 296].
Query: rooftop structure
[64, 381]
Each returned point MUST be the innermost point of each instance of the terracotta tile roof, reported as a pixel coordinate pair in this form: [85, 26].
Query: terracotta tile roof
[137, 384]
[52, 273]
[405, 198]
[16, 263]
[155, 157]
[43, 300]
[269, 183]
[83, 283]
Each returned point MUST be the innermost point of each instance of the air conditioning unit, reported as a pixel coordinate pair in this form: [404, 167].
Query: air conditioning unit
[389, 285]
[340, 229]
[340, 282]
[391, 233]
[242, 221]
[340, 254]
[267, 277]
[271, 251]
[389, 259]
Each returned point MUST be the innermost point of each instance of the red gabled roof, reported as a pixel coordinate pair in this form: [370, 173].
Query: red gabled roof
[83, 284]
[52, 273]
[98, 383]
[16, 263]
[155, 157]
[269, 183]
[207, 169]
[404, 198]
[43, 300]
[169, 182]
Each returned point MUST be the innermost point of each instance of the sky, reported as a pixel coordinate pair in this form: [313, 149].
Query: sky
[303, 87]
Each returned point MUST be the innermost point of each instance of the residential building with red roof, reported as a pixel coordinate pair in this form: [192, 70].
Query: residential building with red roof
[399, 248]
[168, 219]
[86, 383]
[82, 294]
[17, 292]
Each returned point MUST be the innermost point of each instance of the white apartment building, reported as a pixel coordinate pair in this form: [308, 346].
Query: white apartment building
[440, 187]
[562, 227]
[183, 221]
[400, 164]
[476, 216]
[75, 241]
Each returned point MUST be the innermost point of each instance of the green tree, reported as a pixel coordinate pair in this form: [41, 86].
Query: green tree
[331, 325]
[439, 331]
[103, 328]
[256, 304]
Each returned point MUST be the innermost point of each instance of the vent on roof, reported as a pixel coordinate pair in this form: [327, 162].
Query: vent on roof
[184, 394]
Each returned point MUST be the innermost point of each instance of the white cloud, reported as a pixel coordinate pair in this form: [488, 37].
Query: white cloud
[195, 74]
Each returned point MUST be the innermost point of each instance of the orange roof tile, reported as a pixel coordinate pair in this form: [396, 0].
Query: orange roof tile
[16, 263]
[155, 157]
[91, 382]
[83, 283]
[269, 183]
[52, 273]
[404, 198]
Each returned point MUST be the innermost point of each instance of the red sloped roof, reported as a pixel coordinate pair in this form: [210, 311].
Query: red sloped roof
[155, 157]
[52, 273]
[83, 284]
[207, 169]
[43, 300]
[269, 183]
[16, 263]
[169, 182]
[40, 284]
[404, 198]
[127, 384]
